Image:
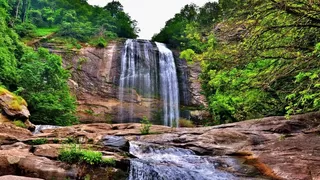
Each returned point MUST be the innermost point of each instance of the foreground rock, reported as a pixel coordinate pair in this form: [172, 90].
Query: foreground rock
[280, 148]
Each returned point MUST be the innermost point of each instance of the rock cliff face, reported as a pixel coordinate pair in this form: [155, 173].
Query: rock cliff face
[95, 81]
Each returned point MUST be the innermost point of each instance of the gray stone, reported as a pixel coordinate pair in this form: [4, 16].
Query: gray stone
[115, 141]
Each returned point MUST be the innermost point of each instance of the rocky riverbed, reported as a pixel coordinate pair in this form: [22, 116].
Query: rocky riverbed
[268, 148]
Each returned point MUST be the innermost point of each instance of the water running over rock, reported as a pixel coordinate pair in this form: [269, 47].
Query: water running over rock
[156, 162]
[148, 70]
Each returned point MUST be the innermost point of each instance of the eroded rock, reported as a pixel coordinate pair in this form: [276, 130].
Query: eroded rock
[13, 105]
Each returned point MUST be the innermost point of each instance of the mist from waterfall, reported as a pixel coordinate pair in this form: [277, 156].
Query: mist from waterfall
[148, 70]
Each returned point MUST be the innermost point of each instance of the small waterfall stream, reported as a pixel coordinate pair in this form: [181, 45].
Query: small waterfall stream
[169, 163]
[148, 70]
[157, 162]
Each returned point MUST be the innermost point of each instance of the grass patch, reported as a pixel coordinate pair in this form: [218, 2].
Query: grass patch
[74, 154]
[19, 123]
[40, 32]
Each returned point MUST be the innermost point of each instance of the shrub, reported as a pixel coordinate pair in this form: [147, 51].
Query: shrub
[91, 157]
[185, 123]
[19, 123]
[146, 124]
[74, 154]
[44, 81]
[188, 55]
[39, 141]
[70, 155]
[99, 42]
[78, 30]
[25, 29]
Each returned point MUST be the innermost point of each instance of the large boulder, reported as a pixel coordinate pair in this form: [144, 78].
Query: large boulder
[115, 142]
[13, 105]
[17, 159]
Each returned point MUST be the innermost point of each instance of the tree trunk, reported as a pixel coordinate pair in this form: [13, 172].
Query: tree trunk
[17, 9]
[25, 8]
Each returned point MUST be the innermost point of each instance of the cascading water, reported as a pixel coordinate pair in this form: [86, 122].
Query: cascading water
[169, 85]
[156, 162]
[148, 71]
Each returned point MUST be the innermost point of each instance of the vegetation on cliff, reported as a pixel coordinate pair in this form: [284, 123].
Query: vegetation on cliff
[38, 76]
[259, 58]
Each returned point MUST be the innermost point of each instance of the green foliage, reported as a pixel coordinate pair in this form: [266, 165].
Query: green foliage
[78, 19]
[187, 30]
[19, 123]
[264, 61]
[46, 89]
[146, 124]
[37, 76]
[25, 29]
[40, 32]
[188, 55]
[70, 154]
[77, 30]
[75, 154]
[99, 42]
[91, 157]
[39, 141]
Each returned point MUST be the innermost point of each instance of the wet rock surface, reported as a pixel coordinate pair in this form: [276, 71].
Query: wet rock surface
[95, 82]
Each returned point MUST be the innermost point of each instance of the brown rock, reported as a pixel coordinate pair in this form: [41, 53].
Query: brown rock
[48, 150]
[42, 167]
[13, 106]
[29, 125]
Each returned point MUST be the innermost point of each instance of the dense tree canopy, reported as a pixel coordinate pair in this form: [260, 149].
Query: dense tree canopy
[73, 17]
[259, 58]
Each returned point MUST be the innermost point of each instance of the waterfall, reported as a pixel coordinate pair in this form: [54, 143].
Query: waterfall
[148, 71]
[169, 85]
